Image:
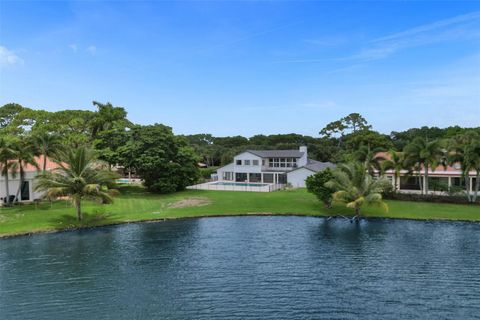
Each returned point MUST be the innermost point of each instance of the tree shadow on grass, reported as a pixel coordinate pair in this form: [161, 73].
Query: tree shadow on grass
[69, 221]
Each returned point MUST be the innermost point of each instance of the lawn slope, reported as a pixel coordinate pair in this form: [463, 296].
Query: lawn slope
[135, 204]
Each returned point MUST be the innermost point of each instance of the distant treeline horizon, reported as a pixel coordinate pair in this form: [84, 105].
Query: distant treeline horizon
[108, 129]
[336, 142]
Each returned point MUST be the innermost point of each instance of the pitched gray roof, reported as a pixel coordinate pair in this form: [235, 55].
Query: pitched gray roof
[316, 166]
[277, 153]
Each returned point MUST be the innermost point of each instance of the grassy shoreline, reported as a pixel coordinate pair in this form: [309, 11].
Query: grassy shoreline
[134, 204]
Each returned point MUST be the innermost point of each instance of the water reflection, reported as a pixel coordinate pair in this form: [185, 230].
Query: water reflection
[245, 268]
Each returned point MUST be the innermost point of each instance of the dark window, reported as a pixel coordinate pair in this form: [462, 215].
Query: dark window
[239, 162]
[255, 162]
[458, 182]
[268, 177]
[410, 183]
[247, 162]
[255, 177]
[282, 178]
[240, 177]
[25, 191]
[437, 184]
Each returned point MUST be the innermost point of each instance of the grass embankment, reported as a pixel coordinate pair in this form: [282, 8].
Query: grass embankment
[135, 204]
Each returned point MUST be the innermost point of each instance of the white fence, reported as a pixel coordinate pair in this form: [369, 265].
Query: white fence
[238, 187]
[129, 181]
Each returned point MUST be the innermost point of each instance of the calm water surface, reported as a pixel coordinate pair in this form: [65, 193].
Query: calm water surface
[245, 268]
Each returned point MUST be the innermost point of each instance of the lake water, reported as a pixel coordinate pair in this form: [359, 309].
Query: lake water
[246, 268]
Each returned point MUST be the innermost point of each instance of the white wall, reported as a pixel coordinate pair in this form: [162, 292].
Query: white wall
[228, 168]
[13, 184]
[297, 178]
[250, 168]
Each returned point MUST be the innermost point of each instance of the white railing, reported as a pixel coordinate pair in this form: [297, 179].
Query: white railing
[249, 188]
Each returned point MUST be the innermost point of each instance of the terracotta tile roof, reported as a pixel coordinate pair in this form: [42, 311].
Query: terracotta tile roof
[454, 169]
[50, 164]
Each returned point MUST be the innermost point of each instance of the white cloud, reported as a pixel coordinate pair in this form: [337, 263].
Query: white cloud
[463, 27]
[92, 50]
[8, 57]
[74, 47]
[473, 16]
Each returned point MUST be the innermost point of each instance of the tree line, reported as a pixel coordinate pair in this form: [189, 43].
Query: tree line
[360, 178]
[164, 161]
[168, 162]
[337, 142]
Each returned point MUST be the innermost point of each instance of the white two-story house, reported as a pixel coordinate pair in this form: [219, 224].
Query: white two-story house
[272, 166]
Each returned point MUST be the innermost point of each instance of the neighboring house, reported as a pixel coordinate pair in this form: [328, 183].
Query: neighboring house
[440, 180]
[27, 192]
[279, 167]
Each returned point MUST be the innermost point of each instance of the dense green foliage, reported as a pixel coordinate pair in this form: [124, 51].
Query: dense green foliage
[355, 187]
[316, 185]
[339, 141]
[164, 161]
[169, 164]
[465, 149]
[422, 154]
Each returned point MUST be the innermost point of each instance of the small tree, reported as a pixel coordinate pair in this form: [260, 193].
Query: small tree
[421, 153]
[396, 164]
[7, 153]
[355, 187]
[80, 176]
[316, 185]
[48, 145]
[465, 149]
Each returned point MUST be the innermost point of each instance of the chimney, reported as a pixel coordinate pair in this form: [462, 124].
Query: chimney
[304, 159]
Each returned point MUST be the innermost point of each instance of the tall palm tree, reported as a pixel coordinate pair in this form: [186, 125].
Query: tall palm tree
[465, 149]
[48, 145]
[370, 158]
[356, 187]
[7, 154]
[395, 162]
[423, 153]
[24, 155]
[80, 176]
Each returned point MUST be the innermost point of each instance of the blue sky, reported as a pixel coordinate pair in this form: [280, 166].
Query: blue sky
[231, 68]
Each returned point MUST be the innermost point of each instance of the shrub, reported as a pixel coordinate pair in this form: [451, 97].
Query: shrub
[454, 199]
[316, 185]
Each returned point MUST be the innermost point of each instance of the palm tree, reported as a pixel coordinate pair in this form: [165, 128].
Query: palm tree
[423, 153]
[465, 149]
[396, 163]
[356, 187]
[24, 155]
[6, 155]
[370, 157]
[80, 176]
[48, 145]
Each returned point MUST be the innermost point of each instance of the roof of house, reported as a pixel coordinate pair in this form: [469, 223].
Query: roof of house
[276, 153]
[316, 166]
[50, 165]
[229, 166]
[455, 168]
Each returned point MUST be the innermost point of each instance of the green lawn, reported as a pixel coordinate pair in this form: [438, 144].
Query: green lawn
[135, 204]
